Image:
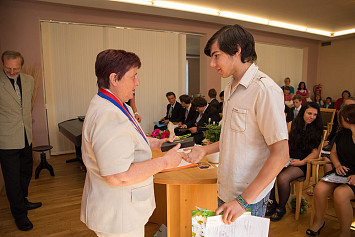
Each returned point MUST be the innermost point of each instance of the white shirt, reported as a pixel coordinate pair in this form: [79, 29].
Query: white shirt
[253, 119]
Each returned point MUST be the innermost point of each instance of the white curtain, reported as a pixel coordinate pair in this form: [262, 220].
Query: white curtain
[69, 53]
[278, 62]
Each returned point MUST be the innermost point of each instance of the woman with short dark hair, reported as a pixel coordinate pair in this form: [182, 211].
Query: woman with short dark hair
[342, 157]
[118, 196]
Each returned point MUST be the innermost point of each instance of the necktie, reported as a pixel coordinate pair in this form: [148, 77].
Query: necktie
[186, 114]
[17, 90]
[295, 113]
[170, 111]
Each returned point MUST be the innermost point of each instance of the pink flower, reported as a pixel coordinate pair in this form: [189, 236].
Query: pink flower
[155, 133]
[164, 134]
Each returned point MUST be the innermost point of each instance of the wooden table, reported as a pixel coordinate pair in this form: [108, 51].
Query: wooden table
[179, 192]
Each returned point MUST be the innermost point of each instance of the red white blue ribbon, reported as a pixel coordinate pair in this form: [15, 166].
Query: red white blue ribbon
[113, 99]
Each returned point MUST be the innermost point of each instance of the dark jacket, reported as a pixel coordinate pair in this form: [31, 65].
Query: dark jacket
[177, 114]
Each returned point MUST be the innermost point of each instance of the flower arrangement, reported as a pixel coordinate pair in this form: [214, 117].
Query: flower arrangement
[213, 132]
[304, 204]
[199, 219]
[160, 134]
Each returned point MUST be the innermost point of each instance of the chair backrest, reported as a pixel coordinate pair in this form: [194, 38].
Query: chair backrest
[325, 133]
[327, 115]
[327, 118]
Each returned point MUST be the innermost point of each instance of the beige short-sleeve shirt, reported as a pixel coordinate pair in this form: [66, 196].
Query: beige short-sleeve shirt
[253, 119]
[110, 144]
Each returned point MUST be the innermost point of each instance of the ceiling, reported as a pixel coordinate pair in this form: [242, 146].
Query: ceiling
[326, 15]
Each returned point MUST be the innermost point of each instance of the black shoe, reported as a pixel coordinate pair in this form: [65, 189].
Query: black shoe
[32, 205]
[271, 208]
[279, 213]
[314, 233]
[24, 224]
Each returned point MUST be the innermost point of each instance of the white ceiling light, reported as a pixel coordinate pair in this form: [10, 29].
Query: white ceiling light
[344, 32]
[287, 26]
[244, 17]
[143, 2]
[319, 32]
[186, 7]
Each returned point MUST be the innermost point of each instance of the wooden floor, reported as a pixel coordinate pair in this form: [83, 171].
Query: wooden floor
[61, 197]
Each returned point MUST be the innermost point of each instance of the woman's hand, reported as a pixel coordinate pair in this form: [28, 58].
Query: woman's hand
[351, 180]
[138, 117]
[173, 157]
[297, 162]
[341, 170]
[155, 143]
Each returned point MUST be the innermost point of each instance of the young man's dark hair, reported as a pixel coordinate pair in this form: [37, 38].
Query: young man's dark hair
[199, 102]
[229, 37]
[212, 93]
[185, 98]
[170, 93]
[221, 94]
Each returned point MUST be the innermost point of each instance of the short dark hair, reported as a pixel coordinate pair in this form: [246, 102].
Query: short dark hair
[297, 97]
[299, 85]
[345, 91]
[212, 93]
[329, 98]
[199, 102]
[348, 114]
[229, 37]
[12, 55]
[287, 88]
[170, 93]
[114, 61]
[185, 98]
[221, 94]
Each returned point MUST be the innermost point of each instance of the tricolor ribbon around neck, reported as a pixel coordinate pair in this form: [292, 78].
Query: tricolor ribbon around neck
[122, 106]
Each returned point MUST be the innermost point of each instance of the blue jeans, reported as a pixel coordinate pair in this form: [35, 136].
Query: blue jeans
[257, 209]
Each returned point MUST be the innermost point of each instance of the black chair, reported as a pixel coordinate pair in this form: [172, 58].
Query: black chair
[44, 164]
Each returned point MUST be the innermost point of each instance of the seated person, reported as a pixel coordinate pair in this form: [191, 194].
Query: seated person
[342, 157]
[288, 83]
[212, 93]
[328, 103]
[287, 96]
[174, 111]
[303, 92]
[318, 100]
[206, 114]
[339, 103]
[189, 112]
[221, 97]
[297, 100]
[304, 141]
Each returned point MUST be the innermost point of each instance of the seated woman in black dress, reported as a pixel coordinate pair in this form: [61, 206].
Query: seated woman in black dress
[343, 159]
[304, 141]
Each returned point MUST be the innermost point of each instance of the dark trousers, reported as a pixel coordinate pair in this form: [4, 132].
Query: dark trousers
[16, 165]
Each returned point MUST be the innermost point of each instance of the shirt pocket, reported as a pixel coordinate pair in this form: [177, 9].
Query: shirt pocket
[239, 120]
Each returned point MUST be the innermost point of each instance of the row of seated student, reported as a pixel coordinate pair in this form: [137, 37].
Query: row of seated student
[192, 115]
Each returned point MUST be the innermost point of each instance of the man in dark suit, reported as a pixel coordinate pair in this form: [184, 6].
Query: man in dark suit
[16, 91]
[206, 114]
[189, 112]
[174, 110]
[297, 104]
[212, 93]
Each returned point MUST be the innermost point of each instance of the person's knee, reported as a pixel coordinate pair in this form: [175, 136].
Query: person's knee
[343, 194]
[321, 190]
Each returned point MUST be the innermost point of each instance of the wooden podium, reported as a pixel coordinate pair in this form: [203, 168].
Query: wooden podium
[178, 192]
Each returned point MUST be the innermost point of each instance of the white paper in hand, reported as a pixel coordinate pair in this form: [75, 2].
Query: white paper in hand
[244, 226]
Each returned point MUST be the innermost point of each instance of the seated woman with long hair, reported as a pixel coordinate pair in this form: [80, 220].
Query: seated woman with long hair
[343, 159]
[304, 140]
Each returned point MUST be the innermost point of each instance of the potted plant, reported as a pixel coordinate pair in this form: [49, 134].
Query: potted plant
[212, 134]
